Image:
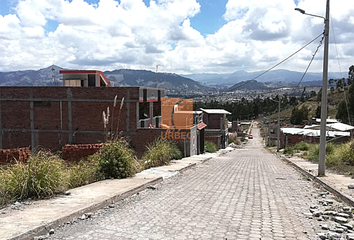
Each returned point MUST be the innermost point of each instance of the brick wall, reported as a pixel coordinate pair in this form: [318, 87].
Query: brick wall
[213, 120]
[63, 115]
[8, 156]
[214, 139]
[143, 137]
[80, 151]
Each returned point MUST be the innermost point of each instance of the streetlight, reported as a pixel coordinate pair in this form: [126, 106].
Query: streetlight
[322, 153]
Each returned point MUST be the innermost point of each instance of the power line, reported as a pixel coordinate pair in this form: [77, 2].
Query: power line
[340, 69]
[284, 60]
[313, 57]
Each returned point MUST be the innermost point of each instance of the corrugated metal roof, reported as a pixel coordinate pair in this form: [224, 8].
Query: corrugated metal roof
[311, 132]
[215, 111]
[340, 126]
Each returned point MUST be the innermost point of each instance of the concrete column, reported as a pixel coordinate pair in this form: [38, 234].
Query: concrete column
[127, 119]
[70, 117]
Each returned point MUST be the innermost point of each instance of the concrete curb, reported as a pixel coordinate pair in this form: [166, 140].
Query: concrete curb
[319, 181]
[44, 229]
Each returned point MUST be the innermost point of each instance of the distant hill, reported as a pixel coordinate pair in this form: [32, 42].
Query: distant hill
[123, 77]
[41, 77]
[285, 76]
[127, 77]
[248, 85]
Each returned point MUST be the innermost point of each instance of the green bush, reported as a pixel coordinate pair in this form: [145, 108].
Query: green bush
[116, 160]
[210, 147]
[301, 146]
[84, 172]
[348, 153]
[161, 152]
[313, 152]
[42, 176]
[289, 150]
[330, 147]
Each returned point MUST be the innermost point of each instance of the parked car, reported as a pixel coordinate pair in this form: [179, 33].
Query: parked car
[250, 136]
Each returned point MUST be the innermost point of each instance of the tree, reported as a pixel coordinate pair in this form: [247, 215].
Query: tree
[351, 75]
[298, 115]
[342, 113]
[346, 113]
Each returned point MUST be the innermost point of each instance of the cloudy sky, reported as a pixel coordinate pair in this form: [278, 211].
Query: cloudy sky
[181, 36]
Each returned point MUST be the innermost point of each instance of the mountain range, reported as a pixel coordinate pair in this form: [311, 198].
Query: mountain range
[240, 80]
[285, 76]
[122, 77]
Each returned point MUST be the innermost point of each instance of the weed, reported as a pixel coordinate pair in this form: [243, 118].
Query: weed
[161, 152]
[289, 150]
[116, 160]
[84, 172]
[210, 147]
[42, 176]
[301, 146]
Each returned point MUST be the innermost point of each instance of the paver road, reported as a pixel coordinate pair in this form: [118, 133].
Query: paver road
[245, 194]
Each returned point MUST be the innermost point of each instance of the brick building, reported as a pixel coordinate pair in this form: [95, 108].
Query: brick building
[51, 117]
[217, 126]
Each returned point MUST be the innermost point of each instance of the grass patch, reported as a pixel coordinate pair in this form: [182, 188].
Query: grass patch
[160, 153]
[301, 146]
[42, 176]
[116, 160]
[84, 172]
[289, 151]
[210, 147]
[339, 157]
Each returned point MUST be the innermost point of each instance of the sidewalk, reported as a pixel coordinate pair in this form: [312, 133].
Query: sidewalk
[333, 182]
[30, 219]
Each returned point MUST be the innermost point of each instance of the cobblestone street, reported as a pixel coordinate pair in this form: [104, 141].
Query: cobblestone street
[245, 194]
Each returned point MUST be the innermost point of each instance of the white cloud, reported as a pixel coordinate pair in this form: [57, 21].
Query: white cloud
[114, 34]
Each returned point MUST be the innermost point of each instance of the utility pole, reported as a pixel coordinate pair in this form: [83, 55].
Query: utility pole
[322, 150]
[322, 153]
[278, 135]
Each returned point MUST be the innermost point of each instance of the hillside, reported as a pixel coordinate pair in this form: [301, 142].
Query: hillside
[333, 101]
[279, 76]
[248, 85]
[127, 77]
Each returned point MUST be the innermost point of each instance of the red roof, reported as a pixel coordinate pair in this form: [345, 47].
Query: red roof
[200, 126]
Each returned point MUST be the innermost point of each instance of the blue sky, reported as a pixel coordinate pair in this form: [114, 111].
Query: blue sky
[181, 36]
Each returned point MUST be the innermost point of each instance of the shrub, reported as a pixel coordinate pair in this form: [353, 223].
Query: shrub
[161, 152]
[348, 153]
[116, 160]
[313, 152]
[233, 139]
[210, 147]
[84, 172]
[301, 146]
[330, 147]
[289, 150]
[42, 176]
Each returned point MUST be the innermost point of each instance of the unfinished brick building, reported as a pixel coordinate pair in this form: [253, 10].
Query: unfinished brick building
[51, 117]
